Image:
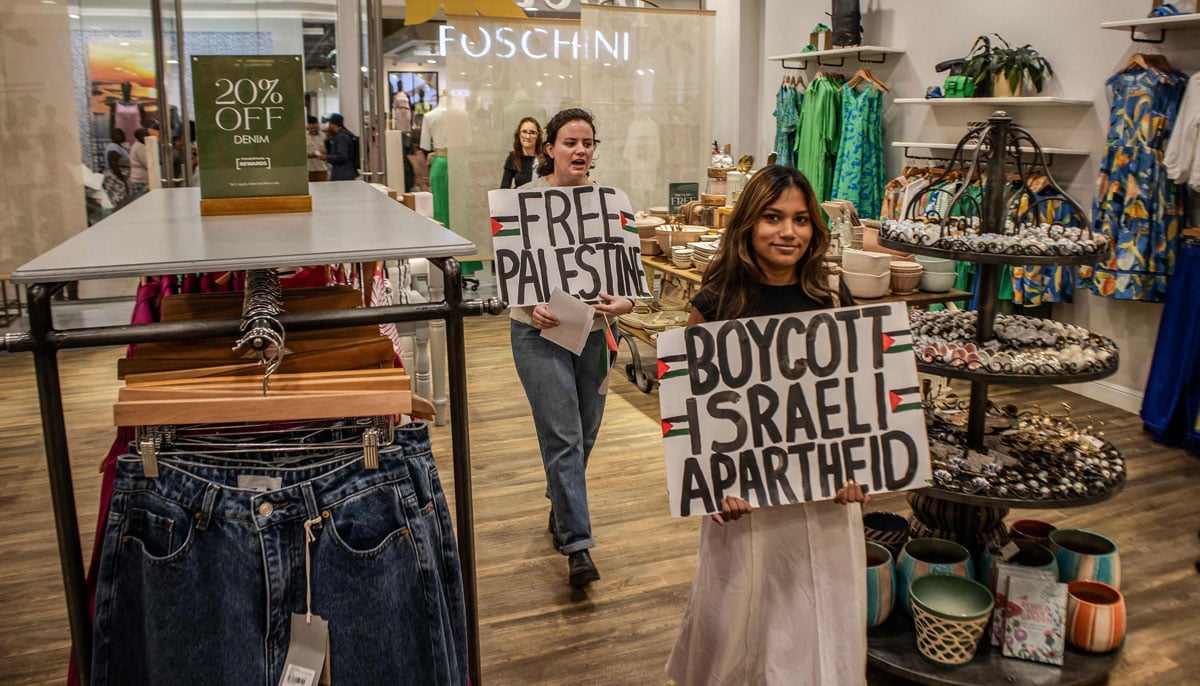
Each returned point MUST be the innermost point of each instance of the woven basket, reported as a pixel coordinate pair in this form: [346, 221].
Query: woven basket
[945, 641]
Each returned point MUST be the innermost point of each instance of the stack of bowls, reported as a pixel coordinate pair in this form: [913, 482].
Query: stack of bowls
[866, 274]
[647, 232]
[905, 276]
[702, 254]
[670, 236]
[681, 257]
[938, 275]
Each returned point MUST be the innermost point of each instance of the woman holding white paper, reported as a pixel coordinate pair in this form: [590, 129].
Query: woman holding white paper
[778, 597]
[564, 389]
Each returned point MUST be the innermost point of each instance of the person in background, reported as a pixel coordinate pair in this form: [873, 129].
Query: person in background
[139, 173]
[315, 142]
[563, 388]
[416, 166]
[518, 166]
[342, 154]
[116, 169]
[778, 597]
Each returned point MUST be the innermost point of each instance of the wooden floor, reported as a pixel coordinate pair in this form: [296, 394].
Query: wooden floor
[534, 628]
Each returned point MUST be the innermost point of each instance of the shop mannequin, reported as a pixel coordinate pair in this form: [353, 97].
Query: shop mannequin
[126, 114]
[401, 111]
[444, 125]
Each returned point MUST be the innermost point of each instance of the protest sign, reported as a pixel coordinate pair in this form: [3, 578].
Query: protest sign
[580, 239]
[786, 409]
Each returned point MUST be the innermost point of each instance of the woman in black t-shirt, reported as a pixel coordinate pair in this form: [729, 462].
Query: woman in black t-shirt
[518, 166]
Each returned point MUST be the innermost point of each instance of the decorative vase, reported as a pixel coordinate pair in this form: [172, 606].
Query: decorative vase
[1030, 555]
[1001, 89]
[888, 529]
[1095, 616]
[922, 556]
[881, 584]
[950, 614]
[1032, 530]
[1084, 555]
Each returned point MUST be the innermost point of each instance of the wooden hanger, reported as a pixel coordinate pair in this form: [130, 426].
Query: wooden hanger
[1139, 60]
[865, 75]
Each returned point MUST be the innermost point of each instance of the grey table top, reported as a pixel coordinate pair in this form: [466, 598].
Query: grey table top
[162, 232]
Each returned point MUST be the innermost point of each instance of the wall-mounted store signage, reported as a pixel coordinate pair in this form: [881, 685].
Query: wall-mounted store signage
[572, 6]
[579, 239]
[250, 133]
[538, 43]
[787, 409]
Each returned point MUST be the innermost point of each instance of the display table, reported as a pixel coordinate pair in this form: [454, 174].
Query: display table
[892, 647]
[162, 232]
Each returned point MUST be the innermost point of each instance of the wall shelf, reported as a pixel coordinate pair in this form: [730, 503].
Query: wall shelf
[1149, 24]
[1039, 100]
[866, 54]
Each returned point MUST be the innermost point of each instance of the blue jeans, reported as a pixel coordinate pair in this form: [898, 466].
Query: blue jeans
[199, 577]
[564, 395]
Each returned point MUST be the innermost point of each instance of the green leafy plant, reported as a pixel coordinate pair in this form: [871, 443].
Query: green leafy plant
[986, 60]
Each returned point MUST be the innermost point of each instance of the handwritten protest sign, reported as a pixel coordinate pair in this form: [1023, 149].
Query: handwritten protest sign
[786, 409]
[580, 239]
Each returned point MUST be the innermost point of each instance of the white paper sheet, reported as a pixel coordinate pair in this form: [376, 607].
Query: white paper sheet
[574, 321]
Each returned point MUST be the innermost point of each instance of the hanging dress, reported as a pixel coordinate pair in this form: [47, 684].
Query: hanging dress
[787, 122]
[1137, 205]
[817, 142]
[858, 174]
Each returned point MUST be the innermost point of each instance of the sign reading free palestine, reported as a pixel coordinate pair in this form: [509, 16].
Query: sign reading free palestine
[250, 125]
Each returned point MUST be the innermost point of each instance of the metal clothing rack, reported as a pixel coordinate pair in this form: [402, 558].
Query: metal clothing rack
[350, 222]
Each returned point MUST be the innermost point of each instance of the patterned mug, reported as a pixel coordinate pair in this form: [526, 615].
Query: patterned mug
[881, 584]
[922, 556]
[1095, 616]
[1084, 555]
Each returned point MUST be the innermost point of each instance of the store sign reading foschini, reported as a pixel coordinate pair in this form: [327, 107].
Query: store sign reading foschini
[250, 125]
[536, 43]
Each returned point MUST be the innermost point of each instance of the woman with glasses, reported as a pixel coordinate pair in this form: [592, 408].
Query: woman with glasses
[518, 166]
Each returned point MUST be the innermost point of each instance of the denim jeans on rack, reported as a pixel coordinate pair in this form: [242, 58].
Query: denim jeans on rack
[199, 578]
[564, 396]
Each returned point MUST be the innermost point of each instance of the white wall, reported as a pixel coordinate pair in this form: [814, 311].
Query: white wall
[1068, 34]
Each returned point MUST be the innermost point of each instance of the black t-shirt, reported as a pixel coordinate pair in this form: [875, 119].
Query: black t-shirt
[514, 177]
[770, 300]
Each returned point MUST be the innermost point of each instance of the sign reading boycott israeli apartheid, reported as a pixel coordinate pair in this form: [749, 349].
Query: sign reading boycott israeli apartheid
[578, 238]
[786, 409]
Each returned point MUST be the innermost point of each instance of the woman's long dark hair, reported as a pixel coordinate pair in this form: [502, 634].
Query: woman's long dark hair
[732, 277]
[518, 151]
[545, 162]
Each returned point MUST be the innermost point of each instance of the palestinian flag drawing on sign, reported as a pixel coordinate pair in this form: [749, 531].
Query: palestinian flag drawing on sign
[897, 341]
[672, 366]
[626, 222]
[675, 426]
[904, 399]
[498, 226]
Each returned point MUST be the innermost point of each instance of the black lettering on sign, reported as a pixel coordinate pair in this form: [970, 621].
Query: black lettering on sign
[751, 478]
[694, 487]
[693, 416]
[558, 216]
[801, 451]
[852, 423]
[876, 463]
[882, 406]
[507, 265]
[829, 469]
[775, 464]
[825, 409]
[850, 464]
[703, 374]
[739, 422]
[724, 474]
[582, 218]
[740, 350]
[564, 272]
[847, 318]
[525, 216]
[798, 415]
[611, 219]
[895, 442]
[762, 339]
[823, 322]
[544, 274]
[592, 290]
[763, 402]
[791, 369]
[607, 250]
[876, 313]
[632, 275]
[528, 275]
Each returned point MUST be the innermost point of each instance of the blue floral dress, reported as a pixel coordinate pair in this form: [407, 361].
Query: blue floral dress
[787, 123]
[1136, 204]
[859, 175]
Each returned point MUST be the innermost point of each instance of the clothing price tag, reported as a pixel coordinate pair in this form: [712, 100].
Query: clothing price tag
[307, 652]
[258, 482]
[1008, 551]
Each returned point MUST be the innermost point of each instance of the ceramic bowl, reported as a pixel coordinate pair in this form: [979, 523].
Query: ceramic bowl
[650, 246]
[1084, 555]
[669, 236]
[881, 584]
[937, 282]
[950, 614]
[903, 284]
[951, 596]
[1032, 530]
[646, 226]
[935, 264]
[1095, 616]
[867, 263]
[866, 285]
[888, 529]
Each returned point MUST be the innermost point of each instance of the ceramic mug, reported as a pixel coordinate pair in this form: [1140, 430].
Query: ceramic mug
[888, 529]
[1029, 555]
[1084, 555]
[922, 556]
[1095, 616]
[881, 584]
[1032, 530]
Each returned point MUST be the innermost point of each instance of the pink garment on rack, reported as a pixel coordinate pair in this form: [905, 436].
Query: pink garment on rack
[128, 118]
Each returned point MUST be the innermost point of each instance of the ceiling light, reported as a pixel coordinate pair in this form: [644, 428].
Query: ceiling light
[124, 43]
[431, 61]
[73, 16]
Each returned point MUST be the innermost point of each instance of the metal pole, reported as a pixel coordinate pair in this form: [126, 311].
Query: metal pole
[164, 105]
[374, 120]
[186, 133]
[461, 437]
[58, 464]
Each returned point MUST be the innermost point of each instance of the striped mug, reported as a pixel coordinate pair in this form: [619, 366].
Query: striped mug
[1095, 616]
[1084, 555]
[881, 584]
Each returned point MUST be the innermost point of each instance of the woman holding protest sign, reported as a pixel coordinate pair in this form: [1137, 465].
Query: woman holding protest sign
[778, 596]
[565, 390]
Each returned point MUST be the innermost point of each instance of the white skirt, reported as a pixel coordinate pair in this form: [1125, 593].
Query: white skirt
[779, 598]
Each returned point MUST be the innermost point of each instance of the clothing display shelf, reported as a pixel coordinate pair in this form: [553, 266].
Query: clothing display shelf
[163, 233]
[891, 646]
[864, 54]
[1031, 101]
[907, 145]
[1151, 24]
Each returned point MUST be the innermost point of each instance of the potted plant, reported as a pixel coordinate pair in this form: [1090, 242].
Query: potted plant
[1002, 69]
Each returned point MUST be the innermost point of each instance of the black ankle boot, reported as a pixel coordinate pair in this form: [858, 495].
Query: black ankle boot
[581, 570]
